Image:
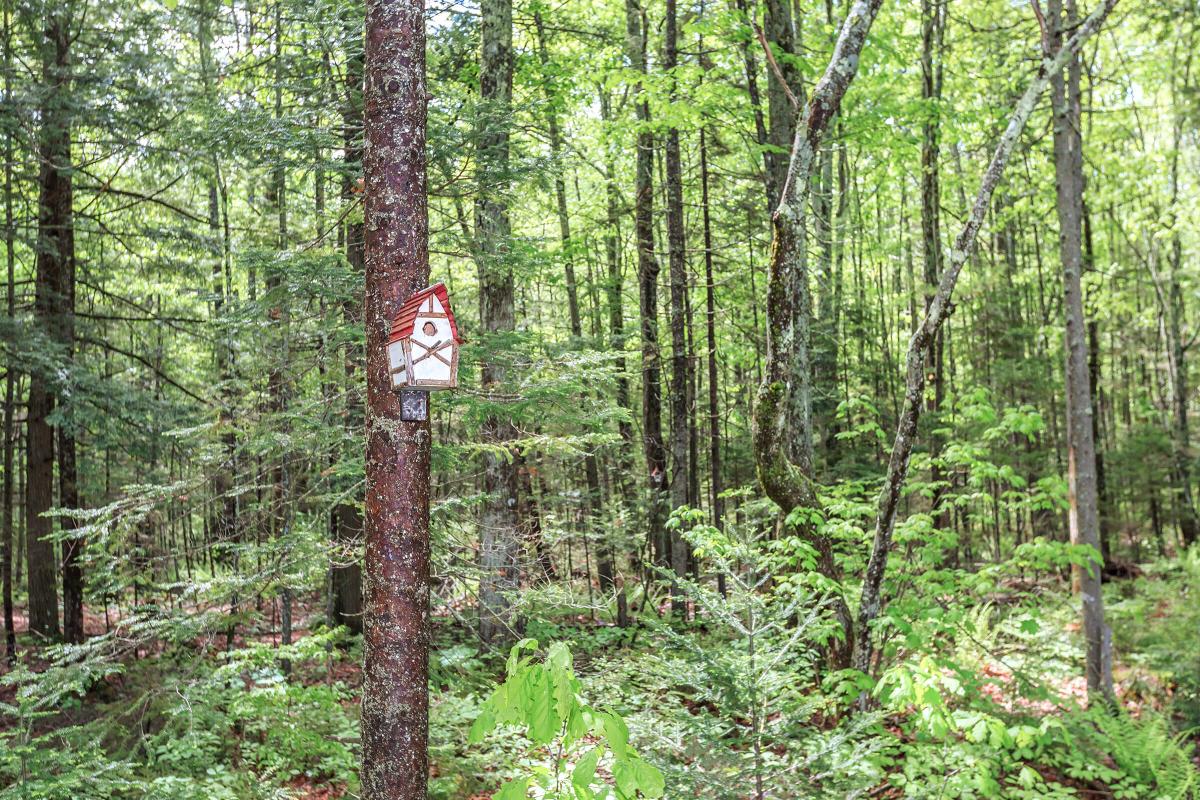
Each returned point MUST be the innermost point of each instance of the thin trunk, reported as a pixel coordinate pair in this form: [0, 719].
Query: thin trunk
[346, 580]
[717, 503]
[395, 707]
[652, 438]
[1173, 319]
[680, 468]
[604, 563]
[616, 333]
[1082, 494]
[933, 15]
[498, 549]
[277, 380]
[6, 544]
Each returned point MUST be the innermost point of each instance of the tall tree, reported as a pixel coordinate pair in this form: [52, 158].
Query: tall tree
[616, 329]
[10, 378]
[395, 706]
[605, 568]
[680, 467]
[643, 213]
[716, 502]
[499, 535]
[1083, 493]
[933, 20]
[785, 480]
[1170, 293]
[55, 261]
[347, 520]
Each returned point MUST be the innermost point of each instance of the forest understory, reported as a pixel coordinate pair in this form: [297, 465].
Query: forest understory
[600, 400]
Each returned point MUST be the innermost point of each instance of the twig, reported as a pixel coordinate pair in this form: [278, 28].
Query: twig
[775, 67]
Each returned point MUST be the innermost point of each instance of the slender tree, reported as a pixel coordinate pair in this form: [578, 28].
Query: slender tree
[1083, 493]
[643, 213]
[680, 467]
[499, 535]
[785, 480]
[605, 568]
[10, 379]
[347, 518]
[933, 20]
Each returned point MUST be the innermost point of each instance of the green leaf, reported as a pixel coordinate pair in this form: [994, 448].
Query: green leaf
[513, 790]
[482, 725]
[649, 779]
[543, 722]
[617, 733]
[585, 769]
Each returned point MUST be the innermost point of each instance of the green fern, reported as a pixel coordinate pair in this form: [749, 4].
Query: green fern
[1146, 751]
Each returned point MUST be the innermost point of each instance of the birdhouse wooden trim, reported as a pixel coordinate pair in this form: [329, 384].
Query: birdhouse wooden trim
[421, 317]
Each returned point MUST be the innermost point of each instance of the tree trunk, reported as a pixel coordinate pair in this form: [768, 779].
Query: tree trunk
[788, 483]
[780, 33]
[1173, 318]
[616, 332]
[680, 468]
[395, 707]
[499, 536]
[346, 572]
[605, 568]
[278, 389]
[717, 503]
[223, 528]
[1082, 492]
[933, 16]
[6, 543]
[652, 438]
[55, 257]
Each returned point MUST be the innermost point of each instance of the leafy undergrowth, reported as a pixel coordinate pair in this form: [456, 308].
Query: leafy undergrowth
[978, 701]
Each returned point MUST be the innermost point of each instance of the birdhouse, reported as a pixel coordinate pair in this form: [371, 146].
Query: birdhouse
[423, 346]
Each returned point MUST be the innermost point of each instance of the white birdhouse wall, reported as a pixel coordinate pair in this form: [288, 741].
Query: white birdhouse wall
[423, 351]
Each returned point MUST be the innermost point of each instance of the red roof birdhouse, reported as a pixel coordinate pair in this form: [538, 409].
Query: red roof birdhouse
[423, 347]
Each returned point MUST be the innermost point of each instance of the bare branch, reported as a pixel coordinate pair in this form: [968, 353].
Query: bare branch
[762, 39]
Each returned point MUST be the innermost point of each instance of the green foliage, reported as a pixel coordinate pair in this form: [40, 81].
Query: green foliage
[543, 700]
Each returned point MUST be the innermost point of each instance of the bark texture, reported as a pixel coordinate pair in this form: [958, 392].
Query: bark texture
[55, 260]
[499, 537]
[788, 483]
[643, 213]
[395, 714]
[680, 470]
[1083, 494]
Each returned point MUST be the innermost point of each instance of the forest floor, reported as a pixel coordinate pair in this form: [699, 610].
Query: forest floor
[999, 713]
